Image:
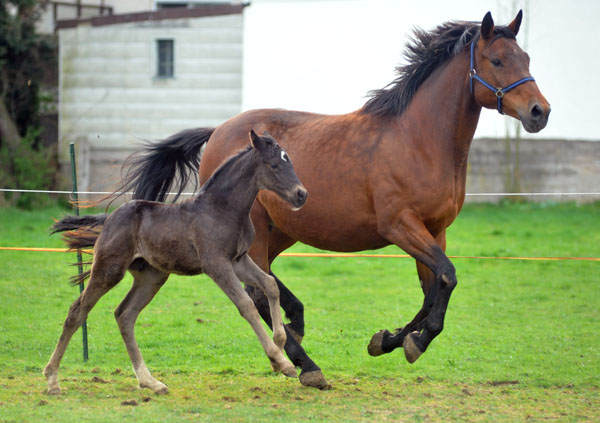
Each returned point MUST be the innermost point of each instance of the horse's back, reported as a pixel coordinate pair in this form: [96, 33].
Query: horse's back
[333, 156]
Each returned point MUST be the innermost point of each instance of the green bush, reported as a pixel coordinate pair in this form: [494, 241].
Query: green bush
[27, 168]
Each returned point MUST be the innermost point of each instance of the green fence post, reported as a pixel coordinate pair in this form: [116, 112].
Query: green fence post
[79, 258]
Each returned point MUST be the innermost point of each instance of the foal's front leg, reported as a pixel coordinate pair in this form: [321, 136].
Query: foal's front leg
[248, 272]
[224, 275]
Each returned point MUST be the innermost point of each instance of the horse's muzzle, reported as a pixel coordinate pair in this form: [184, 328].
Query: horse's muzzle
[536, 118]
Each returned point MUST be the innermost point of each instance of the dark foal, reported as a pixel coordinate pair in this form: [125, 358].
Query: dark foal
[210, 233]
[392, 172]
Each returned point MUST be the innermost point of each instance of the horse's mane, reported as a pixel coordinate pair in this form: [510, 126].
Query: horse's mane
[426, 51]
[226, 167]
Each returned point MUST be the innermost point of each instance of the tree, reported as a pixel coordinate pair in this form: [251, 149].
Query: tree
[23, 56]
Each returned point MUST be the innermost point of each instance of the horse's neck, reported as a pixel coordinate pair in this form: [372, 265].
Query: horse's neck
[453, 112]
[235, 186]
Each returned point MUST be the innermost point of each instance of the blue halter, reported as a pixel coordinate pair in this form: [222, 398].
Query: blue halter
[499, 92]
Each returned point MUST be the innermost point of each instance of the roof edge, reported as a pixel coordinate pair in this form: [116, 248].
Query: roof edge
[199, 11]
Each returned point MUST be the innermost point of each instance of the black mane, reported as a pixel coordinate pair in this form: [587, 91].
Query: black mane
[225, 167]
[425, 53]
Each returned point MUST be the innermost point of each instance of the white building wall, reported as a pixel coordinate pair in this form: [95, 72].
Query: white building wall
[110, 97]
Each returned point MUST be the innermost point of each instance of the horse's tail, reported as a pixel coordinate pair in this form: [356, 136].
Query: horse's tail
[80, 232]
[154, 170]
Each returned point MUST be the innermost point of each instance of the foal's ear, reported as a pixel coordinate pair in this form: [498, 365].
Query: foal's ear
[255, 140]
[268, 137]
[516, 23]
[487, 26]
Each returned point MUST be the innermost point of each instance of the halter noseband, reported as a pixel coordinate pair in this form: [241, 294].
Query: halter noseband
[499, 92]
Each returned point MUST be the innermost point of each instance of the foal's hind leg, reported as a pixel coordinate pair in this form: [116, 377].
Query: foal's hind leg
[146, 284]
[103, 278]
[224, 275]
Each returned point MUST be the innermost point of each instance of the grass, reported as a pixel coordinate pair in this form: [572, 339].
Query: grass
[520, 342]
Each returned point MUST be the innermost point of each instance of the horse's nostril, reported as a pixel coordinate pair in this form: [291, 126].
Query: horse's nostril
[536, 111]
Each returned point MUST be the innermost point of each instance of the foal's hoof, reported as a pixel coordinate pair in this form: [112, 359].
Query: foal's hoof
[375, 347]
[158, 388]
[53, 391]
[289, 371]
[411, 351]
[314, 379]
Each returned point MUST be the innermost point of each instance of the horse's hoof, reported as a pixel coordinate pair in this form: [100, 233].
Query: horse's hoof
[314, 379]
[411, 351]
[375, 347]
[295, 334]
[53, 391]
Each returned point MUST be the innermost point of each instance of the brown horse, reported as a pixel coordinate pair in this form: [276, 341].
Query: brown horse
[392, 172]
[210, 234]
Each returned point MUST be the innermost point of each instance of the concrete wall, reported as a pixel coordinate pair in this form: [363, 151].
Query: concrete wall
[543, 166]
[110, 96]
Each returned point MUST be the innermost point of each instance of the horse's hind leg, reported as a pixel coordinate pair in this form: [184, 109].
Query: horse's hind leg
[146, 283]
[102, 279]
[225, 276]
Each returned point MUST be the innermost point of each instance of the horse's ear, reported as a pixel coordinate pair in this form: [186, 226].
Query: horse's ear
[255, 140]
[487, 26]
[516, 23]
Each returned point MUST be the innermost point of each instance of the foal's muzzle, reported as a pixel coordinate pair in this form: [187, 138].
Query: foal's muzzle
[299, 197]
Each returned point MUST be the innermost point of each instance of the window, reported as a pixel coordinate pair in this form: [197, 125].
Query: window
[165, 58]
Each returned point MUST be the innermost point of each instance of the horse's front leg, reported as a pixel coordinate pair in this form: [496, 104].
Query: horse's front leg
[410, 234]
[267, 244]
[427, 279]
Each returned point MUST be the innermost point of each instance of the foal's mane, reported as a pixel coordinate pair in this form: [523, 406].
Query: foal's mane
[226, 167]
[426, 51]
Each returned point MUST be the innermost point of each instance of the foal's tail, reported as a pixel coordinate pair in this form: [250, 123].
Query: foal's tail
[158, 166]
[80, 232]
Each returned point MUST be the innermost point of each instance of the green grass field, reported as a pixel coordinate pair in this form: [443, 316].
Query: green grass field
[520, 342]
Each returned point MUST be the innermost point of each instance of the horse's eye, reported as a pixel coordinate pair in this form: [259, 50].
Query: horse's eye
[284, 156]
[496, 62]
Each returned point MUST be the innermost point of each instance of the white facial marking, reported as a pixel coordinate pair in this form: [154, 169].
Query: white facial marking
[284, 156]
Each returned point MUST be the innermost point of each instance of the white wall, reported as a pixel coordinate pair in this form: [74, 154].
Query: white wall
[108, 86]
[325, 55]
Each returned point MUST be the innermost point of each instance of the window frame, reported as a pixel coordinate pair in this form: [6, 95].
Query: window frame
[165, 58]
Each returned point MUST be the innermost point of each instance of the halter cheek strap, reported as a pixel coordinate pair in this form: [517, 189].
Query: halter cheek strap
[499, 92]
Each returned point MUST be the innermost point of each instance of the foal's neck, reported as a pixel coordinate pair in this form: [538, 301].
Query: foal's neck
[233, 186]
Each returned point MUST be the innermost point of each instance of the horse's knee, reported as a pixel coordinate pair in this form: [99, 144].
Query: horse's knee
[449, 281]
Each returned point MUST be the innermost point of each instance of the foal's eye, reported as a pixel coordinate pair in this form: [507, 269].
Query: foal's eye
[284, 156]
[496, 62]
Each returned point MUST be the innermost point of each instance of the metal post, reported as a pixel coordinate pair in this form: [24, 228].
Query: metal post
[79, 258]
